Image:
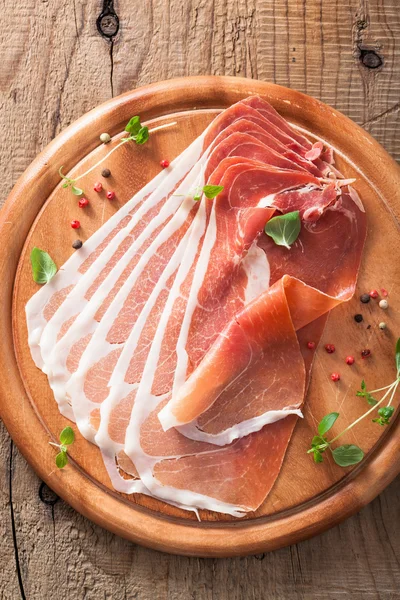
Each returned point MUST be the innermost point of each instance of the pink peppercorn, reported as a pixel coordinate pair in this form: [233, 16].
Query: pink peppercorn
[110, 195]
[350, 360]
[374, 294]
[75, 224]
[330, 348]
[335, 376]
[98, 186]
[311, 345]
[385, 293]
[83, 202]
[164, 164]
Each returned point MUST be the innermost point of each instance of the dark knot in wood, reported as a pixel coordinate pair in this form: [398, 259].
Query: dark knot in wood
[370, 59]
[108, 21]
[47, 495]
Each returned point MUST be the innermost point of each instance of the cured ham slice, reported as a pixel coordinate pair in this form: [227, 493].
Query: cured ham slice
[254, 225]
[186, 362]
[332, 273]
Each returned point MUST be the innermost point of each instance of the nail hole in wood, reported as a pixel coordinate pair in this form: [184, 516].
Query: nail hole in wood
[47, 495]
[370, 59]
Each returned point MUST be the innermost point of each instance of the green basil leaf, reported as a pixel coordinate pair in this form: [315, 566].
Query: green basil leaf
[212, 191]
[327, 423]
[347, 455]
[61, 459]
[317, 441]
[398, 355]
[76, 191]
[370, 399]
[142, 136]
[133, 126]
[363, 385]
[43, 267]
[65, 185]
[284, 229]
[67, 436]
[318, 458]
[386, 412]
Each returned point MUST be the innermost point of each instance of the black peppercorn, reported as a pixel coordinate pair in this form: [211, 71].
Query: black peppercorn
[106, 173]
[77, 244]
[365, 298]
[358, 318]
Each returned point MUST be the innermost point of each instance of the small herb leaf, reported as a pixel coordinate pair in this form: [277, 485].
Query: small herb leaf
[284, 229]
[327, 423]
[347, 455]
[43, 267]
[212, 191]
[142, 135]
[76, 191]
[61, 459]
[65, 185]
[318, 458]
[67, 436]
[133, 126]
[385, 413]
[398, 355]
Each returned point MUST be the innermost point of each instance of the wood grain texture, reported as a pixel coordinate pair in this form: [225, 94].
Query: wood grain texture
[311, 46]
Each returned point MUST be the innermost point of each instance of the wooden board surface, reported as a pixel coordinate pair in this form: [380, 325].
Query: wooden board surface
[297, 506]
[171, 39]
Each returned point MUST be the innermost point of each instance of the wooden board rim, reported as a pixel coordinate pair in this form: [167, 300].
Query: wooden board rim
[133, 522]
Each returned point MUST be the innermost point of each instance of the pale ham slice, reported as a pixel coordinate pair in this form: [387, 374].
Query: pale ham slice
[188, 314]
[342, 228]
[252, 226]
[109, 272]
[98, 249]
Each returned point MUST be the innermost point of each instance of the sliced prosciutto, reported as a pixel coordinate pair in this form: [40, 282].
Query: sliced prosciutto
[185, 363]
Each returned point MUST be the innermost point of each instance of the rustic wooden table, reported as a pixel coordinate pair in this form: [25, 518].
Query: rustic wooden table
[55, 67]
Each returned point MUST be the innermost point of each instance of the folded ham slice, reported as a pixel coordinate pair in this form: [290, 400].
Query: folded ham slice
[189, 314]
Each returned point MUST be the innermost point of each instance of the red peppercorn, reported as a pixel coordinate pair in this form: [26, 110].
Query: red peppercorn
[374, 294]
[366, 353]
[110, 195]
[335, 376]
[385, 293]
[311, 345]
[350, 360]
[164, 164]
[97, 186]
[330, 348]
[75, 224]
[83, 202]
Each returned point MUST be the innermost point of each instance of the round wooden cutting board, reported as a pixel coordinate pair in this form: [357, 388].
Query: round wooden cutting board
[307, 498]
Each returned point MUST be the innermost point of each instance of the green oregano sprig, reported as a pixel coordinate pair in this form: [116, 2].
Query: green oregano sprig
[137, 134]
[67, 438]
[350, 454]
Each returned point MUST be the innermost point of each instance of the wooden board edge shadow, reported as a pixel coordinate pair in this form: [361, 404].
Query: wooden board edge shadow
[85, 495]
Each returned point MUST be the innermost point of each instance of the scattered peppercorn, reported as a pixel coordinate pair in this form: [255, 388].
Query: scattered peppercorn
[374, 294]
[382, 325]
[105, 138]
[368, 326]
[98, 186]
[83, 202]
[366, 353]
[383, 304]
[350, 360]
[385, 293]
[110, 195]
[358, 318]
[77, 244]
[164, 164]
[330, 348]
[75, 224]
[365, 298]
[106, 173]
[311, 345]
[335, 377]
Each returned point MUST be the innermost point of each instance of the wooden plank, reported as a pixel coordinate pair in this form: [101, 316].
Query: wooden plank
[253, 38]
